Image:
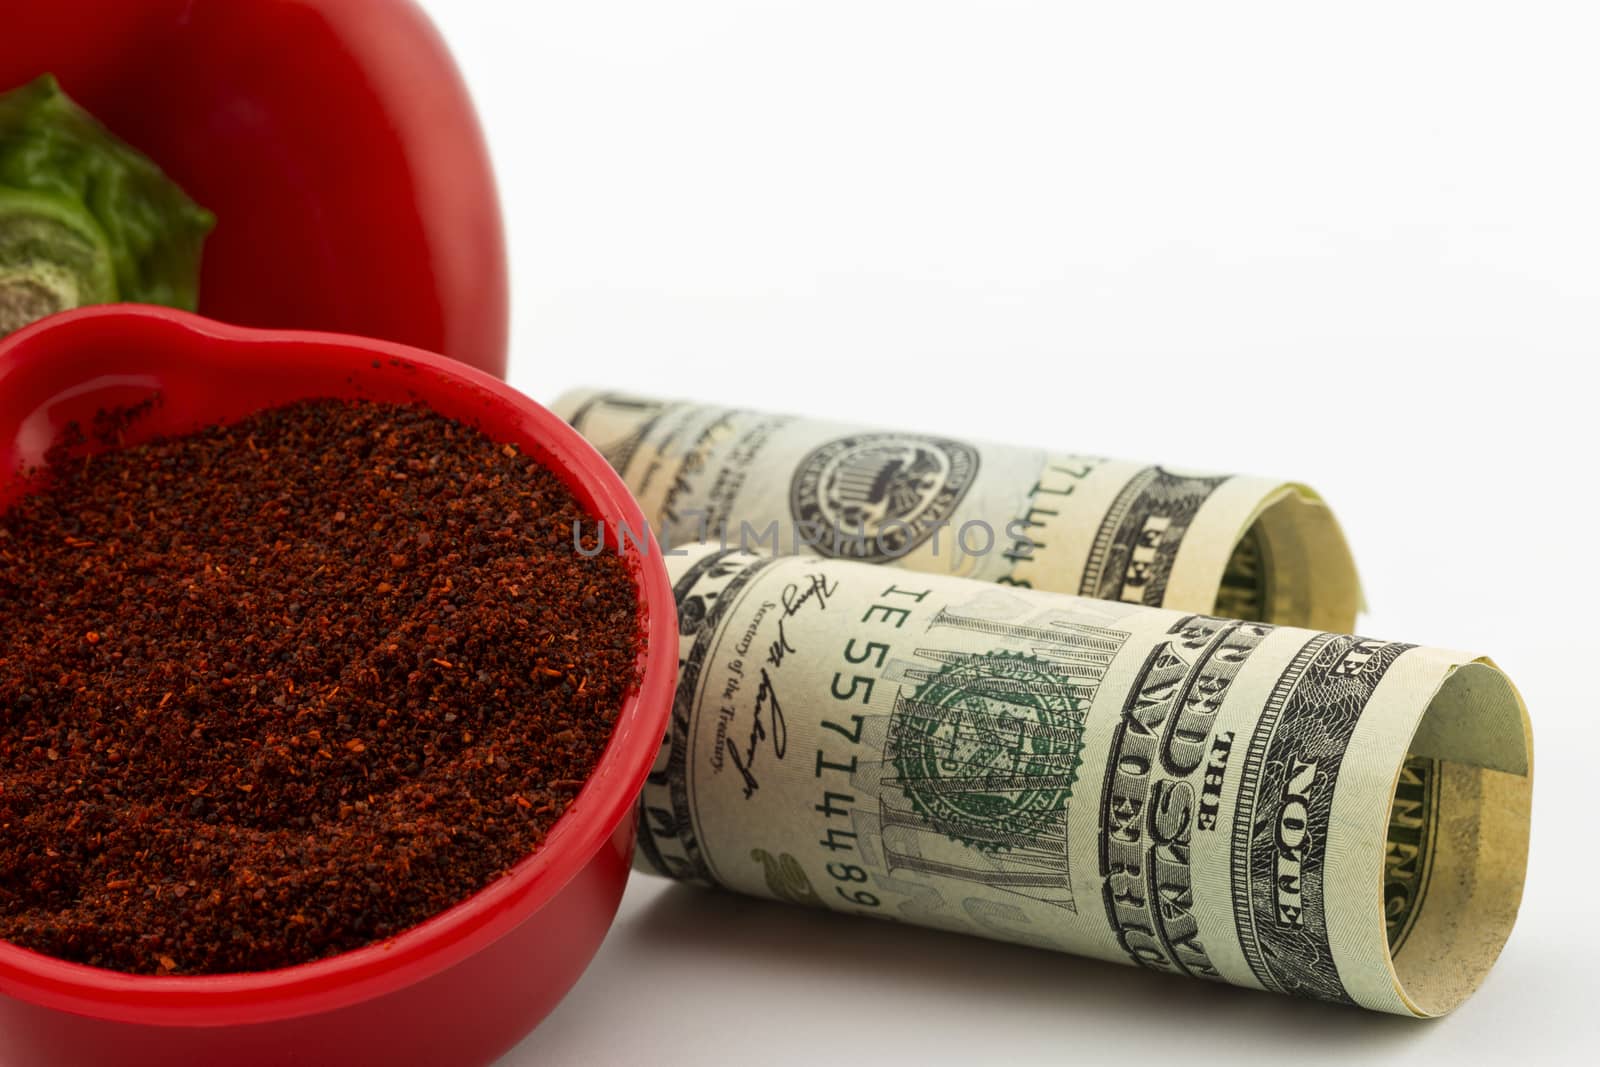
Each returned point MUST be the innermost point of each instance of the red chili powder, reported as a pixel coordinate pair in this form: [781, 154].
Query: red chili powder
[283, 689]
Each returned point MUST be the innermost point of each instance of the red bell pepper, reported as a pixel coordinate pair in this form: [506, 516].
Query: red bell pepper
[333, 140]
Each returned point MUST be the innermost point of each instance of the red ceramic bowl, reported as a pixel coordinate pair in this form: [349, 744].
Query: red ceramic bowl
[465, 985]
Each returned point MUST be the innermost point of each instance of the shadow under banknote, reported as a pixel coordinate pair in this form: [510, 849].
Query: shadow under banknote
[776, 981]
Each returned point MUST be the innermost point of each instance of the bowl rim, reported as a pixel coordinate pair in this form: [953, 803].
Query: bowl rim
[607, 798]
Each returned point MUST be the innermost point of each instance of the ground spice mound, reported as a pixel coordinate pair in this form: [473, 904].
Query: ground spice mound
[276, 691]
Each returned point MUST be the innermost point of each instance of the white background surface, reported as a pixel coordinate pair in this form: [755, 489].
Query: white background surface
[1357, 245]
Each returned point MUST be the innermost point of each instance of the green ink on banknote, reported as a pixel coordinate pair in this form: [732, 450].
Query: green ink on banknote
[1408, 856]
[786, 879]
[1243, 593]
[988, 748]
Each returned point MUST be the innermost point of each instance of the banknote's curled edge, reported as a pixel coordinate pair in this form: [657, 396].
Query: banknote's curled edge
[1476, 738]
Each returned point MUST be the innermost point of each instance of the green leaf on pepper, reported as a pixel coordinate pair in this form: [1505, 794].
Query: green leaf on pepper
[84, 218]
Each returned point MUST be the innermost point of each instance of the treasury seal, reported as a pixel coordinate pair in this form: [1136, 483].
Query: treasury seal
[988, 748]
[876, 496]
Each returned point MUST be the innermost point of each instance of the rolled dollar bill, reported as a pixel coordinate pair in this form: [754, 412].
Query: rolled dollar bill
[1242, 547]
[1309, 813]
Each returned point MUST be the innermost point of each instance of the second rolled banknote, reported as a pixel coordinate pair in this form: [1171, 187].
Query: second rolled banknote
[1243, 547]
[1310, 813]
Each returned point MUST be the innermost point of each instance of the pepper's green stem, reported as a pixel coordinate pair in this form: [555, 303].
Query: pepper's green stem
[84, 218]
